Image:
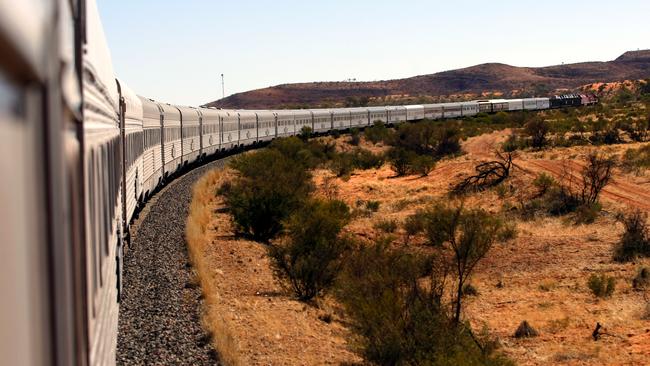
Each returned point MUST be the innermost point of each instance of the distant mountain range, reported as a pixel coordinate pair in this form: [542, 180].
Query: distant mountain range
[490, 79]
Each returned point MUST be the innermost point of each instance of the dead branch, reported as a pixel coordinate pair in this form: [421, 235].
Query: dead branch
[488, 174]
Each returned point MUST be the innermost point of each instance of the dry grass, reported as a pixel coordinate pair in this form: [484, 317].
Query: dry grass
[197, 237]
[252, 319]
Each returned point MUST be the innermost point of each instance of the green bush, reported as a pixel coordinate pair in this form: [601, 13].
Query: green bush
[468, 234]
[544, 182]
[401, 160]
[364, 159]
[270, 186]
[401, 321]
[387, 226]
[309, 260]
[635, 241]
[355, 136]
[305, 133]
[538, 130]
[372, 206]
[423, 165]
[601, 285]
[377, 133]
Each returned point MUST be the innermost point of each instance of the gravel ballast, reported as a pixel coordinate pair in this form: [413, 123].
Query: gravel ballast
[160, 311]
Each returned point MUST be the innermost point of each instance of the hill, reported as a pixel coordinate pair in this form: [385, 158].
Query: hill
[480, 80]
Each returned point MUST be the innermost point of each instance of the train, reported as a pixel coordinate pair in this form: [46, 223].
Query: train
[81, 152]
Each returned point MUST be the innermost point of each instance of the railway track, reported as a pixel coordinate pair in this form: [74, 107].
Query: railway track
[160, 311]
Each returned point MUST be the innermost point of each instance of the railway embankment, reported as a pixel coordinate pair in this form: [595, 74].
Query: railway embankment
[160, 310]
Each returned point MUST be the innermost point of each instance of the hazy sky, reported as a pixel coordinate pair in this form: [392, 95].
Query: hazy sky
[174, 51]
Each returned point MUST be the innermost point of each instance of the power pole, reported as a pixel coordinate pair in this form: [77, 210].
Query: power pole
[223, 88]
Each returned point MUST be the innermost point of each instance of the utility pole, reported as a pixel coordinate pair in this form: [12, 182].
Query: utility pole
[223, 88]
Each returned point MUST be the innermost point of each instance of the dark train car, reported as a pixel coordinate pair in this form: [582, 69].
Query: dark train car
[566, 100]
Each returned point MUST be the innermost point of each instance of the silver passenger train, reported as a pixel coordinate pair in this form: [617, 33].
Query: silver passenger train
[80, 152]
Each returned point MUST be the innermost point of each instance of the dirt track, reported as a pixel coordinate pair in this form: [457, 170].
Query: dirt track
[620, 190]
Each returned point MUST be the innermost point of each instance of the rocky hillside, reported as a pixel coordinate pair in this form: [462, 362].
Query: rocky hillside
[484, 79]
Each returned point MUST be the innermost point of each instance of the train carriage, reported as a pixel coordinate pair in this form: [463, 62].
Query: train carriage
[359, 117]
[152, 162]
[172, 142]
[530, 104]
[433, 111]
[102, 160]
[247, 127]
[302, 119]
[452, 110]
[322, 120]
[499, 105]
[414, 112]
[265, 125]
[210, 135]
[131, 124]
[543, 103]
[229, 127]
[378, 114]
[341, 118]
[396, 114]
[515, 104]
[190, 133]
[285, 123]
[468, 109]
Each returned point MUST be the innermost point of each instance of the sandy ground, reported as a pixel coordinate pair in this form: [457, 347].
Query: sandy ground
[268, 325]
[542, 274]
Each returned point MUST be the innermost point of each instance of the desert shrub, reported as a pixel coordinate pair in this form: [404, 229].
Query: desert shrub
[414, 224]
[342, 165]
[642, 279]
[448, 142]
[305, 133]
[377, 133]
[513, 143]
[608, 137]
[270, 186]
[470, 290]
[635, 241]
[309, 155]
[401, 160]
[355, 136]
[587, 213]
[398, 319]
[428, 138]
[537, 129]
[501, 191]
[468, 234]
[309, 259]
[387, 226]
[601, 285]
[364, 159]
[423, 165]
[543, 183]
[372, 206]
[636, 160]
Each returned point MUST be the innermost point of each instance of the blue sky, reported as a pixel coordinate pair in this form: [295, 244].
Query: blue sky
[174, 51]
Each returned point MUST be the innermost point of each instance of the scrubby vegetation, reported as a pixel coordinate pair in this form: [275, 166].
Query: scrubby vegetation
[270, 187]
[310, 257]
[395, 300]
[601, 285]
[577, 194]
[635, 241]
